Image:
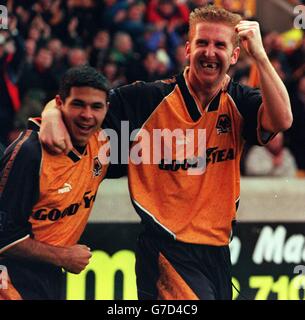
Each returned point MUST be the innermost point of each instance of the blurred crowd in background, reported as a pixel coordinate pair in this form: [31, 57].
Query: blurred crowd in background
[131, 40]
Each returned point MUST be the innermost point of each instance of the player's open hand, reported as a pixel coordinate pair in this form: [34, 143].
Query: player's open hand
[250, 36]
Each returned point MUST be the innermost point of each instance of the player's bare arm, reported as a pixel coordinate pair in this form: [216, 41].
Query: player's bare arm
[276, 113]
[73, 259]
[53, 132]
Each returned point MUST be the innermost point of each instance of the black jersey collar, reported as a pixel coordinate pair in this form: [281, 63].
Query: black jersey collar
[190, 103]
[214, 104]
[74, 155]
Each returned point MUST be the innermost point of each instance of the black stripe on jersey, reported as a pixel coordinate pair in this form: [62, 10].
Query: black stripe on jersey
[73, 156]
[189, 100]
[215, 103]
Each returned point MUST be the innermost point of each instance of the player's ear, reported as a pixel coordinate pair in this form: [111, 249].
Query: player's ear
[235, 55]
[187, 49]
[59, 102]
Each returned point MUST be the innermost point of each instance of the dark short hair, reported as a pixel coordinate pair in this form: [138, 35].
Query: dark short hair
[82, 76]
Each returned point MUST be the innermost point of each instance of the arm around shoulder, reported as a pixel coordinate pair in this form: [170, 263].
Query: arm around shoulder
[53, 132]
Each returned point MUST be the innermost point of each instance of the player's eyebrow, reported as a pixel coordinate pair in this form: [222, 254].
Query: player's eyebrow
[79, 101]
[98, 104]
[93, 104]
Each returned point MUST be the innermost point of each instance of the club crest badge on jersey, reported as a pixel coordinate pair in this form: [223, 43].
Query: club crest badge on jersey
[224, 124]
[97, 167]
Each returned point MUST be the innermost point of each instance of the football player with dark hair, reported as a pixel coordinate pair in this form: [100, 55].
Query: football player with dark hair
[46, 199]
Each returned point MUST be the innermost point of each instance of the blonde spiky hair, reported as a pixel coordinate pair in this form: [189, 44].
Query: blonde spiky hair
[214, 14]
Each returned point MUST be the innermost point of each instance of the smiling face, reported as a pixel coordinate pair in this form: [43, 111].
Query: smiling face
[211, 52]
[83, 110]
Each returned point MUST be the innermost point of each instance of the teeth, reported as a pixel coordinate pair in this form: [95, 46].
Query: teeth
[84, 127]
[209, 65]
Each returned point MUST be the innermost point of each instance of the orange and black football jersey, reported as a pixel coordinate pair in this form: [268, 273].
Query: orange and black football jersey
[48, 197]
[169, 195]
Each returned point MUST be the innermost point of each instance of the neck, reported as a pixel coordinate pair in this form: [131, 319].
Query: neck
[204, 92]
[205, 95]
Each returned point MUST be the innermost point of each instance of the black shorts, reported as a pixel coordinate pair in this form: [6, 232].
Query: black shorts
[35, 280]
[171, 270]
